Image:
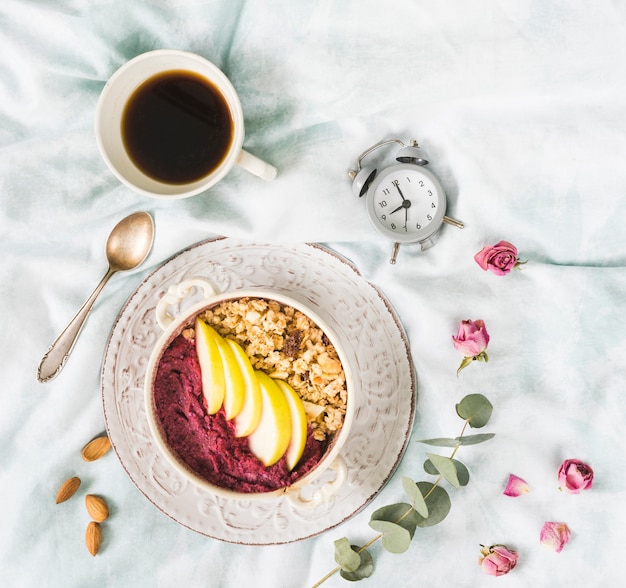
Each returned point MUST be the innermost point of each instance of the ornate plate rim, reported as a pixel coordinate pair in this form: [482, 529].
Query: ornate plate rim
[400, 331]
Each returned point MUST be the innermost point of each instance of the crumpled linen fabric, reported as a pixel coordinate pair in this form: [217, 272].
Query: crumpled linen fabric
[519, 106]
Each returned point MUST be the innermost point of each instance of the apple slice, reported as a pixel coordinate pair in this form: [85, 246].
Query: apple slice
[269, 441]
[211, 368]
[234, 392]
[250, 414]
[298, 424]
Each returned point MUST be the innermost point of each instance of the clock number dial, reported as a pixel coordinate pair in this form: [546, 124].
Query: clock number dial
[407, 204]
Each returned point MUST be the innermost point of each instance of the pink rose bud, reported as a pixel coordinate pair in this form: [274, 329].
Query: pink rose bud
[554, 536]
[497, 560]
[472, 338]
[574, 476]
[499, 259]
[516, 486]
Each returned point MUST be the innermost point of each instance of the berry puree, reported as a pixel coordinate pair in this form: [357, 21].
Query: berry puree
[207, 444]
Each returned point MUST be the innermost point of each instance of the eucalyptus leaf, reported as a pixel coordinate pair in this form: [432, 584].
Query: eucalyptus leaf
[345, 556]
[445, 466]
[475, 439]
[438, 502]
[475, 409]
[396, 538]
[461, 471]
[440, 442]
[364, 570]
[429, 468]
[415, 496]
[402, 514]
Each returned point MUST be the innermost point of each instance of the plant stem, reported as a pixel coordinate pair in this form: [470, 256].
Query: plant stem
[359, 550]
[403, 516]
[328, 576]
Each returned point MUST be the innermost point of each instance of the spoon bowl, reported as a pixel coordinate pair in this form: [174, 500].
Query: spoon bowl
[130, 242]
[127, 247]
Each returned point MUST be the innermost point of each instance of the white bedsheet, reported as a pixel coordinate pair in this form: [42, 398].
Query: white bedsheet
[520, 107]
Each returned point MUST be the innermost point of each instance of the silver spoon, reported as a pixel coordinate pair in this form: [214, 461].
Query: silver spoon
[127, 247]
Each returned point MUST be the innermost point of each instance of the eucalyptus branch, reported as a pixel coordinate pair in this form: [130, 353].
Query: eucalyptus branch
[338, 568]
[429, 502]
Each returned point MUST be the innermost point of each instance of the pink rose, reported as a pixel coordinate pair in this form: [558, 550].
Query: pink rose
[497, 560]
[574, 476]
[500, 258]
[554, 536]
[472, 338]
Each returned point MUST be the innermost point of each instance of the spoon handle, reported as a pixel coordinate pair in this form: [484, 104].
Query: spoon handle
[54, 359]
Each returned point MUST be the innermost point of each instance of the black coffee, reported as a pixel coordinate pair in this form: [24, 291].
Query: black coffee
[177, 127]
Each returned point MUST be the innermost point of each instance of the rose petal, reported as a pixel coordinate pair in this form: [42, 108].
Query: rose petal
[516, 486]
[554, 536]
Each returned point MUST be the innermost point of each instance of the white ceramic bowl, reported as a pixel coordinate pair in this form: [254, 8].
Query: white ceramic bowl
[315, 486]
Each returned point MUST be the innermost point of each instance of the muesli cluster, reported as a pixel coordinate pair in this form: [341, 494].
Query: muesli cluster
[285, 344]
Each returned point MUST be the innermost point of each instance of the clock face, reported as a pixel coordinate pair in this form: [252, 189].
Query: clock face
[406, 203]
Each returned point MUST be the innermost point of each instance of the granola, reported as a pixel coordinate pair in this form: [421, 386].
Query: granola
[284, 343]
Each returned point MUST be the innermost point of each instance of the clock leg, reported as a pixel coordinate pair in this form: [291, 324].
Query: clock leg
[394, 253]
[455, 223]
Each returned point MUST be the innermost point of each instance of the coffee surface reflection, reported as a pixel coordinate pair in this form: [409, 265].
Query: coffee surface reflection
[177, 127]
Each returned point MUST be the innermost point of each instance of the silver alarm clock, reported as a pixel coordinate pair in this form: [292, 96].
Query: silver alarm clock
[405, 201]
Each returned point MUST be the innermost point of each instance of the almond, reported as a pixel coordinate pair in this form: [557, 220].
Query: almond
[97, 508]
[96, 448]
[68, 489]
[93, 537]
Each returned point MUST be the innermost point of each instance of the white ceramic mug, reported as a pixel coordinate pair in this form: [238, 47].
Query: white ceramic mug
[110, 110]
[316, 486]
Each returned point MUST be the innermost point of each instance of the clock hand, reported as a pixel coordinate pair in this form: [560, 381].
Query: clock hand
[397, 185]
[406, 204]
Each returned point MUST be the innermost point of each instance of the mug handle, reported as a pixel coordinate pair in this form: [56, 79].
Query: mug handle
[176, 293]
[256, 166]
[325, 492]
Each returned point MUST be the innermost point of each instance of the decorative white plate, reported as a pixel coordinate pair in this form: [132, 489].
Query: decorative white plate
[378, 351]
